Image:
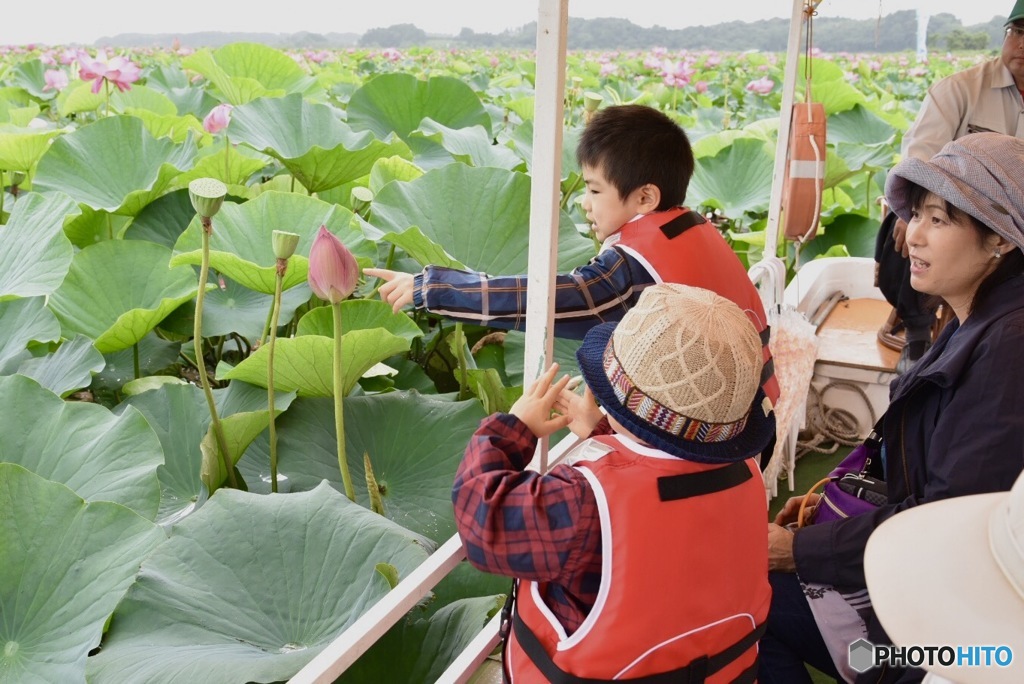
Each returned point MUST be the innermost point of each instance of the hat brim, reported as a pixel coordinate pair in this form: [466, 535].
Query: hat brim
[755, 436]
[954, 190]
[933, 580]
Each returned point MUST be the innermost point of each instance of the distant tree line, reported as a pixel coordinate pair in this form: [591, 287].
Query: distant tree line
[892, 33]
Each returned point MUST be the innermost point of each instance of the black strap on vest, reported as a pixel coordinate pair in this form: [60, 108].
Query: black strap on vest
[682, 223]
[767, 371]
[694, 673]
[765, 335]
[675, 487]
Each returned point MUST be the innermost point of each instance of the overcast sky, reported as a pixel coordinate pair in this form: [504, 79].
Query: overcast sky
[55, 22]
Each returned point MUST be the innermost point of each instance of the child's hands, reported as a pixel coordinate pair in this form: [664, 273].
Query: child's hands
[582, 409]
[535, 406]
[397, 290]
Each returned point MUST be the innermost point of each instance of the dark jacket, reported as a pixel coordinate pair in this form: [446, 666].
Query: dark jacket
[954, 427]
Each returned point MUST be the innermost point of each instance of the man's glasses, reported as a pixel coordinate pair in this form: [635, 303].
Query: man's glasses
[1015, 32]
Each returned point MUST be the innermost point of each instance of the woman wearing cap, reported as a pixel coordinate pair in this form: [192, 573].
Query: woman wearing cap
[955, 422]
[647, 556]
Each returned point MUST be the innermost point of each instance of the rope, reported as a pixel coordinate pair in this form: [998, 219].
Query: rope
[831, 424]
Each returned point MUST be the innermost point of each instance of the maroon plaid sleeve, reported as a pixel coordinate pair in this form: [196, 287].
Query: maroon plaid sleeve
[519, 523]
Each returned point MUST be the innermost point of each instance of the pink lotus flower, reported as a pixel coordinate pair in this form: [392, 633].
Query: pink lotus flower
[117, 70]
[761, 86]
[701, 86]
[333, 270]
[218, 119]
[55, 80]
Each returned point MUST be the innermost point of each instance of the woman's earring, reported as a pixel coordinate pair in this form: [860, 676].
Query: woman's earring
[997, 254]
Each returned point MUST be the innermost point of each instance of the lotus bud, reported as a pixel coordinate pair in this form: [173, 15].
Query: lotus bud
[361, 198]
[207, 195]
[284, 243]
[591, 101]
[333, 270]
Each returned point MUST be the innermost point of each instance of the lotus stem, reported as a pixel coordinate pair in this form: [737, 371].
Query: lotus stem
[135, 360]
[460, 356]
[339, 411]
[197, 341]
[227, 158]
[275, 308]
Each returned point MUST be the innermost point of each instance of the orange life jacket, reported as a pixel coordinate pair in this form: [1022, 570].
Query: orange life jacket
[684, 581]
[680, 246]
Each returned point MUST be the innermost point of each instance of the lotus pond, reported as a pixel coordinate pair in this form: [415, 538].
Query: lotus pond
[128, 554]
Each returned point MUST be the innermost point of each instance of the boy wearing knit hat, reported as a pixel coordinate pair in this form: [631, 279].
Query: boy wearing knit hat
[645, 552]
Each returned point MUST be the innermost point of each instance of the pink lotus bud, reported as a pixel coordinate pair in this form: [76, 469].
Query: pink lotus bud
[333, 270]
[218, 119]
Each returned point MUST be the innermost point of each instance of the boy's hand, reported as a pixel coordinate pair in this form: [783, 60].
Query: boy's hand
[535, 406]
[397, 289]
[582, 410]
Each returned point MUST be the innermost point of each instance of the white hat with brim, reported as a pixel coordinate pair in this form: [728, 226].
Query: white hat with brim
[951, 573]
[981, 174]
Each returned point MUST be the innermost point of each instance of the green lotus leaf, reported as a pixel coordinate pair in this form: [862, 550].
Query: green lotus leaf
[21, 148]
[856, 233]
[243, 72]
[421, 649]
[397, 103]
[154, 355]
[92, 226]
[102, 457]
[30, 75]
[515, 348]
[322, 153]
[421, 248]
[34, 253]
[480, 215]
[252, 587]
[470, 145]
[67, 369]
[117, 291]
[113, 164]
[241, 247]
[142, 98]
[413, 460]
[736, 180]
[233, 166]
[244, 413]
[859, 126]
[171, 126]
[305, 364]
[23, 321]
[77, 98]
[163, 220]
[67, 563]
[393, 168]
[359, 314]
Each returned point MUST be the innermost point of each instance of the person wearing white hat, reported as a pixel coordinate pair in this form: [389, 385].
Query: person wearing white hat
[955, 422]
[951, 573]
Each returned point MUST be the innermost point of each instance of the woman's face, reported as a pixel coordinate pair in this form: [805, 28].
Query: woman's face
[948, 258]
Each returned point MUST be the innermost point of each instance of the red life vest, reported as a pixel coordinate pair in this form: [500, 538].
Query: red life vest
[684, 579]
[680, 246]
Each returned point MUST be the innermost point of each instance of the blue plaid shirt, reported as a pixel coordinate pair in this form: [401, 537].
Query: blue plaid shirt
[519, 523]
[603, 290]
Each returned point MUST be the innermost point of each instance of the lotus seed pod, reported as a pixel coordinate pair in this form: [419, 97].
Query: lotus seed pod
[17, 177]
[207, 195]
[284, 243]
[361, 198]
[591, 101]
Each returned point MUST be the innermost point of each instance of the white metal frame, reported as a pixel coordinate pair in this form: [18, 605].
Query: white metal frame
[552, 28]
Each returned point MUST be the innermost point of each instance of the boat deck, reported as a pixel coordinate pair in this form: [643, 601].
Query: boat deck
[848, 337]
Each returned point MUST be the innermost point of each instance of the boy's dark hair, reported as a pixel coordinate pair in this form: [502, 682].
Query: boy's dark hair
[634, 145]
